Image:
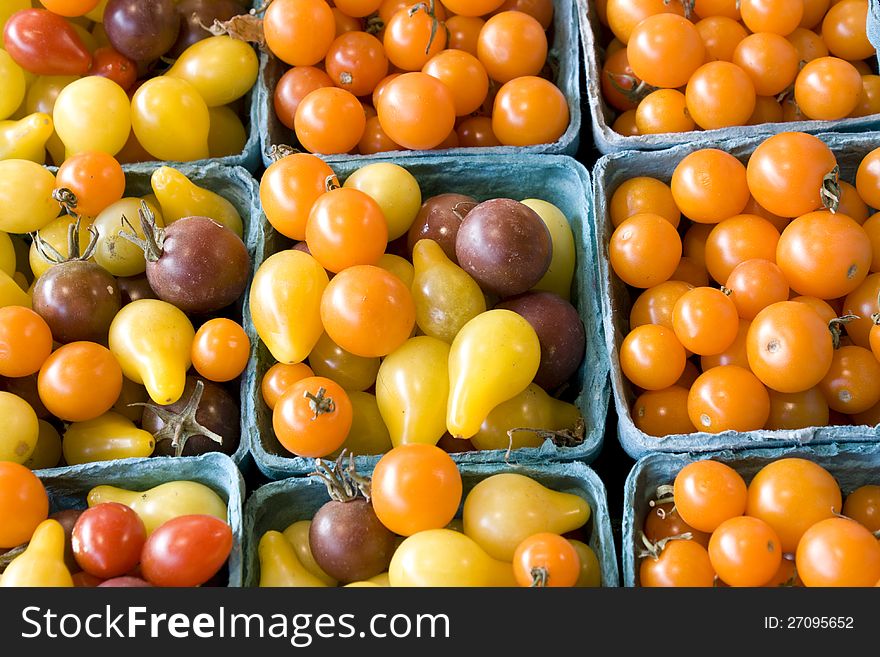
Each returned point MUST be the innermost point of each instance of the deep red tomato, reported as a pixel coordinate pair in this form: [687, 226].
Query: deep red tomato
[186, 551]
[107, 540]
[109, 63]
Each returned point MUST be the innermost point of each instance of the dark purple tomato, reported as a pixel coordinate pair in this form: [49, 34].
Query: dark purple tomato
[78, 299]
[560, 332]
[439, 219]
[107, 540]
[142, 31]
[45, 44]
[348, 542]
[203, 266]
[132, 288]
[194, 14]
[113, 65]
[505, 246]
[67, 519]
[125, 582]
[217, 411]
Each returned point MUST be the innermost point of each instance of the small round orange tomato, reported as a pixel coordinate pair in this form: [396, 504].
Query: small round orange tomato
[643, 194]
[694, 242]
[814, 11]
[80, 381]
[826, 312]
[785, 173]
[312, 417]
[356, 62]
[745, 551]
[358, 8]
[838, 552]
[828, 89]
[279, 378]
[651, 357]
[374, 139]
[705, 321]
[862, 302]
[541, 10]
[292, 87]
[709, 186]
[767, 110]
[797, 410]
[756, 284]
[220, 349]
[345, 23]
[791, 495]
[663, 412]
[831, 267]
[644, 250]
[851, 204]
[655, 305]
[852, 384]
[808, 44]
[789, 347]
[844, 30]
[624, 15]
[706, 493]
[413, 36]
[464, 33]
[664, 50]
[720, 35]
[529, 110]
[663, 521]
[24, 504]
[476, 131]
[473, 7]
[777, 16]
[690, 272]
[25, 341]
[367, 311]
[625, 124]
[95, 178]
[869, 99]
[415, 487]
[346, 227]
[618, 82]
[288, 189]
[727, 8]
[735, 354]
[681, 563]
[770, 61]
[868, 178]
[863, 506]
[735, 240]
[416, 110]
[546, 559]
[512, 44]
[664, 110]
[329, 120]
[299, 32]
[728, 398]
[753, 207]
[719, 95]
[465, 76]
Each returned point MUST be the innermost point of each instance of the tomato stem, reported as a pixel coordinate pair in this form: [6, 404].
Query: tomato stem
[455, 208]
[836, 326]
[374, 24]
[830, 190]
[540, 575]
[154, 236]
[9, 556]
[655, 549]
[331, 182]
[278, 151]
[319, 404]
[67, 200]
[428, 9]
[343, 484]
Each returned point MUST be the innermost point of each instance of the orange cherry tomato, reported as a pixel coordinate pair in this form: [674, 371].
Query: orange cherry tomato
[663, 521]
[868, 178]
[416, 110]
[299, 32]
[542, 10]
[735, 240]
[546, 560]
[312, 417]
[651, 357]
[767, 110]
[681, 563]
[644, 250]
[279, 378]
[289, 188]
[655, 305]
[413, 36]
[24, 504]
[863, 506]
[719, 95]
[838, 552]
[464, 33]
[844, 30]
[756, 284]
[664, 50]
[329, 120]
[728, 398]
[356, 62]
[828, 89]
[477, 131]
[720, 35]
[745, 551]
[512, 44]
[640, 195]
[862, 302]
[706, 493]
[852, 384]
[709, 186]
[797, 410]
[770, 60]
[465, 76]
[664, 110]
[25, 341]
[95, 178]
[358, 8]
[694, 242]
[529, 110]
[777, 16]
[292, 87]
[851, 204]
[735, 354]
[80, 381]
[220, 349]
[624, 15]
[663, 413]
[705, 321]
[808, 44]
[374, 139]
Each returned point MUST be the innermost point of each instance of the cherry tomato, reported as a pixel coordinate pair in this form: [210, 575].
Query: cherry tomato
[312, 417]
[720, 94]
[797, 410]
[868, 178]
[546, 560]
[770, 60]
[43, 43]
[777, 16]
[681, 563]
[80, 381]
[754, 285]
[512, 44]
[664, 110]
[852, 384]
[289, 188]
[186, 551]
[464, 33]
[745, 551]
[664, 50]
[110, 63]
[643, 194]
[70, 8]
[844, 30]
[828, 89]
[358, 8]
[477, 131]
[709, 185]
[720, 35]
[651, 357]
[24, 504]
[644, 250]
[735, 354]
[706, 493]
[464, 74]
[705, 321]
[356, 62]
[220, 349]
[808, 44]
[346, 227]
[412, 36]
[663, 413]
[329, 120]
[619, 83]
[625, 15]
[416, 487]
[862, 302]
[95, 178]
[299, 32]
[542, 10]
[529, 110]
[279, 378]
[838, 552]
[25, 341]
[416, 110]
[296, 83]
[863, 506]
[655, 305]
[107, 540]
[664, 521]
[728, 398]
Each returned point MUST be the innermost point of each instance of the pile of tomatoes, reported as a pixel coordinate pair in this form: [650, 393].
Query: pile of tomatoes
[98, 315]
[370, 76]
[788, 527]
[398, 528]
[186, 542]
[759, 312]
[444, 320]
[674, 66]
[84, 75]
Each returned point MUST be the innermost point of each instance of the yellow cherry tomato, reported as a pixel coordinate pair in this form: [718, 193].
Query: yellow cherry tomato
[394, 189]
[221, 69]
[297, 535]
[559, 276]
[92, 114]
[26, 202]
[55, 234]
[12, 83]
[47, 453]
[115, 253]
[107, 437]
[279, 565]
[227, 135]
[20, 428]
[170, 119]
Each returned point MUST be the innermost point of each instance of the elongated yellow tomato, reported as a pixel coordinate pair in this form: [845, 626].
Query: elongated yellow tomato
[164, 502]
[533, 408]
[445, 295]
[107, 437]
[180, 197]
[368, 434]
[47, 453]
[297, 535]
[12, 83]
[227, 135]
[493, 358]
[559, 276]
[152, 340]
[26, 202]
[412, 390]
[11, 293]
[222, 69]
[285, 303]
[114, 253]
[20, 428]
[504, 509]
[170, 119]
[55, 234]
[442, 557]
[42, 563]
[25, 139]
[279, 565]
[394, 189]
[92, 114]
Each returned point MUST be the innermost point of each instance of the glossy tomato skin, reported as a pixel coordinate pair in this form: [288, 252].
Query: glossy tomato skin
[107, 540]
[312, 417]
[186, 551]
[43, 43]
